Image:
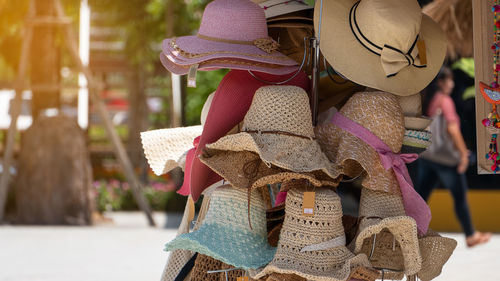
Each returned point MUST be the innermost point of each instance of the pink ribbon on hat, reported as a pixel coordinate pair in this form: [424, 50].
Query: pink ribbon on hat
[185, 188]
[414, 205]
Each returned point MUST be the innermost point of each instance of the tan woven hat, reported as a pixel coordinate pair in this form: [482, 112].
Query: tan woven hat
[244, 169]
[313, 247]
[278, 127]
[385, 234]
[412, 109]
[436, 251]
[376, 43]
[380, 113]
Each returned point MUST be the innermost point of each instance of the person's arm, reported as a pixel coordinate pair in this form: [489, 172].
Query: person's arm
[453, 128]
[458, 141]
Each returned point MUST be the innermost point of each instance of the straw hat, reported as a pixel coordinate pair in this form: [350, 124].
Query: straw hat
[202, 265]
[229, 29]
[244, 169]
[278, 127]
[164, 148]
[383, 219]
[376, 43]
[231, 102]
[225, 233]
[416, 141]
[412, 109]
[381, 114]
[313, 247]
[436, 251]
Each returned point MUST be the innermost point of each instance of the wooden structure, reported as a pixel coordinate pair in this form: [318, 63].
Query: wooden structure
[64, 22]
[483, 58]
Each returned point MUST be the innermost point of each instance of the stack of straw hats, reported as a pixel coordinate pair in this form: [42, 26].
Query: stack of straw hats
[270, 208]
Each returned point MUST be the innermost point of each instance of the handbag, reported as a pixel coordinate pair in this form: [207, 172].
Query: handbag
[442, 149]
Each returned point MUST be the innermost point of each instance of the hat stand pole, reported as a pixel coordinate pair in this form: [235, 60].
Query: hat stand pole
[316, 68]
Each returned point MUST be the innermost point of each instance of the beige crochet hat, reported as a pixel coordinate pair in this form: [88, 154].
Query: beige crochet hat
[412, 109]
[313, 247]
[378, 112]
[385, 234]
[435, 251]
[383, 44]
[278, 127]
[166, 149]
[244, 169]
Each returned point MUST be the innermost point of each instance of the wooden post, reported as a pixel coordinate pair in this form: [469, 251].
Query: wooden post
[118, 147]
[483, 60]
[16, 110]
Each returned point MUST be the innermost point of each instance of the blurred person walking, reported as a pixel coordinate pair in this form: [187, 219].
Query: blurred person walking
[447, 158]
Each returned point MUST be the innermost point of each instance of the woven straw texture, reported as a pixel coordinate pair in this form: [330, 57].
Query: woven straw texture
[284, 109]
[411, 105]
[417, 123]
[380, 204]
[284, 277]
[299, 231]
[436, 251]
[244, 169]
[178, 258]
[396, 243]
[225, 233]
[380, 113]
[417, 138]
[163, 148]
[203, 264]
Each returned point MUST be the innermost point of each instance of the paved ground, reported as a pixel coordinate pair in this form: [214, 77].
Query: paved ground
[128, 250]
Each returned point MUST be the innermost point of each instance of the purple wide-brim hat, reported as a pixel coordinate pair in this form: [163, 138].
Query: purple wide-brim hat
[229, 29]
[192, 49]
[170, 63]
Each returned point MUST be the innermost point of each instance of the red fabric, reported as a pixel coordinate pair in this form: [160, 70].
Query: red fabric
[445, 104]
[184, 190]
[231, 102]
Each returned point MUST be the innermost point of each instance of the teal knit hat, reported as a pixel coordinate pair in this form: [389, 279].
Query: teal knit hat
[225, 233]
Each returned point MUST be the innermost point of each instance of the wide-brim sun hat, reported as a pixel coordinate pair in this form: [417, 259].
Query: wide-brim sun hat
[177, 66]
[244, 169]
[225, 233]
[164, 148]
[380, 113]
[378, 43]
[229, 29]
[436, 251]
[231, 102]
[385, 234]
[278, 127]
[313, 247]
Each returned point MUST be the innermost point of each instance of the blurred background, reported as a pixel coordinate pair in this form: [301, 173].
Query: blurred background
[61, 133]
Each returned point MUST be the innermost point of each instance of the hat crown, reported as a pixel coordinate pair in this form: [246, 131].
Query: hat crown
[411, 105]
[228, 208]
[326, 224]
[389, 22]
[280, 108]
[380, 113]
[239, 20]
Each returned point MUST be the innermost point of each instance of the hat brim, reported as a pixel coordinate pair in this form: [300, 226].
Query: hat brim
[232, 165]
[404, 231]
[353, 157]
[288, 152]
[417, 123]
[171, 63]
[342, 50]
[435, 251]
[341, 272]
[224, 244]
[164, 148]
[194, 50]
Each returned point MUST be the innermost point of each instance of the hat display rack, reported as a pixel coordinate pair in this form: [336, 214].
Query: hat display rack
[491, 94]
[268, 165]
